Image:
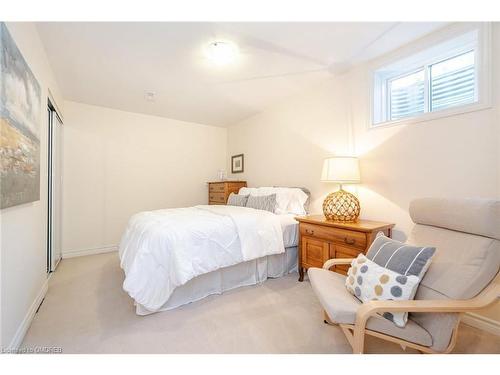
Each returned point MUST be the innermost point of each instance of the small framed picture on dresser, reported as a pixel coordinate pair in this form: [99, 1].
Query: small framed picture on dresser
[237, 163]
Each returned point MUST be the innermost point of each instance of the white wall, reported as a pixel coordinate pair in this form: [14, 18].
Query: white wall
[119, 163]
[23, 227]
[286, 144]
[457, 156]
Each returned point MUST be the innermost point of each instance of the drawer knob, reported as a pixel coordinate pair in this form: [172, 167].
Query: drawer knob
[309, 232]
[349, 241]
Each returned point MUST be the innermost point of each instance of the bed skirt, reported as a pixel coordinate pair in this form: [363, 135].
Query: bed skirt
[242, 274]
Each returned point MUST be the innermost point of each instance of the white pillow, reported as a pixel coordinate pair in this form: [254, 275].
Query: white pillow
[296, 202]
[247, 191]
[288, 200]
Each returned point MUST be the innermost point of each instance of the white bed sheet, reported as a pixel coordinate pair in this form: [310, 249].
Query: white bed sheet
[242, 273]
[217, 282]
[290, 229]
[163, 249]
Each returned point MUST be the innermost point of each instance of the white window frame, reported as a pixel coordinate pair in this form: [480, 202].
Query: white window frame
[379, 88]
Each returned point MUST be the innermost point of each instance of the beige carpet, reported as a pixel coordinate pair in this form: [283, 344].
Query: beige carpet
[86, 311]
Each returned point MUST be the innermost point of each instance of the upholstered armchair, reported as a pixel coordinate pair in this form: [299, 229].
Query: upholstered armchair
[463, 277]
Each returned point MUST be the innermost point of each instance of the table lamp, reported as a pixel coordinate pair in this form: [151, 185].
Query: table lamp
[341, 205]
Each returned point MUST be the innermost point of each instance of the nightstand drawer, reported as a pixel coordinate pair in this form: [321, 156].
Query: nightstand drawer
[322, 239]
[350, 238]
[217, 197]
[217, 188]
[314, 252]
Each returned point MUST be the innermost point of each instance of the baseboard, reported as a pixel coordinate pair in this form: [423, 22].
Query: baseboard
[25, 324]
[92, 251]
[482, 322]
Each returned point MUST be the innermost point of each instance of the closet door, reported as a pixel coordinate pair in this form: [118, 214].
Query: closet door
[54, 243]
[56, 192]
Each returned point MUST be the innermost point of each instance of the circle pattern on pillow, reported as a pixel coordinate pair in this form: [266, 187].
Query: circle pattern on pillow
[374, 282]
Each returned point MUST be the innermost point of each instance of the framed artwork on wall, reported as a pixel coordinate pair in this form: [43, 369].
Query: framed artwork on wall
[237, 163]
[20, 109]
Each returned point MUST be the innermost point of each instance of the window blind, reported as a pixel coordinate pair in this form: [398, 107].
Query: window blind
[453, 82]
[407, 96]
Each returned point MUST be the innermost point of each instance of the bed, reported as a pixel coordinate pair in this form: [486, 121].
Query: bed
[173, 257]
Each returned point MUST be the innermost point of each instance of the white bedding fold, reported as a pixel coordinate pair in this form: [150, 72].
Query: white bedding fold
[164, 249]
[259, 231]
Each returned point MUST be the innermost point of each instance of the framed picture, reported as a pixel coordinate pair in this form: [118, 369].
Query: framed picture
[20, 109]
[237, 163]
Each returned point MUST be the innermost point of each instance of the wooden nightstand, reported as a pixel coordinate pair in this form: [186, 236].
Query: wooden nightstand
[321, 239]
[219, 191]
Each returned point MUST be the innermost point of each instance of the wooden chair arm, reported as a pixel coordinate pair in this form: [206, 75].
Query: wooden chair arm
[452, 306]
[487, 297]
[332, 262]
[483, 299]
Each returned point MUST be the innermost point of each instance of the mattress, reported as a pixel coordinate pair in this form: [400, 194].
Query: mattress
[290, 228]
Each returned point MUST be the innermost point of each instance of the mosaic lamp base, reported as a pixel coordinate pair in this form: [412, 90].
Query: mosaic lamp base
[341, 206]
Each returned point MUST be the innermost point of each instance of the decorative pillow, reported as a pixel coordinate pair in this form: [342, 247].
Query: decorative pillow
[266, 202]
[368, 281]
[237, 200]
[400, 257]
[288, 200]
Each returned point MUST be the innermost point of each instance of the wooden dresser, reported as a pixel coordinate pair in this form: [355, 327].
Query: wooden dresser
[321, 239]
[219, 191]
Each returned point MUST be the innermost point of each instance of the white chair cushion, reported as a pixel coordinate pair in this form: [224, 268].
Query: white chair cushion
[341, 307]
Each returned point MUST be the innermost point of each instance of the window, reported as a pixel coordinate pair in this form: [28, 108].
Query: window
[406, 95]
[452, 82]
[443, 78]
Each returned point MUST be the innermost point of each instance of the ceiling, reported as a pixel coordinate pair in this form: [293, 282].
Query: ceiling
[115, 64]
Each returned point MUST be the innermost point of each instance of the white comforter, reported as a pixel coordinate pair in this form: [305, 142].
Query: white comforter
[164, 249]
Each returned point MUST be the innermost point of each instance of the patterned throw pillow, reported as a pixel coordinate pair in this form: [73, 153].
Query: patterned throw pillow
[368, 281]
[400, 257]
[237, 200]
[265, 202]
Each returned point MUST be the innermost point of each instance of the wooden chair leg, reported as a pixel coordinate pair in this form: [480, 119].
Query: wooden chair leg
[358, 341]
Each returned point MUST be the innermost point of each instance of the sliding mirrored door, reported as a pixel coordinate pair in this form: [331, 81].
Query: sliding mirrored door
[54, 237]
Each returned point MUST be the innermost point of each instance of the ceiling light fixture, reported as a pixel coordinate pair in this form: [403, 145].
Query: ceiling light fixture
[222, 53]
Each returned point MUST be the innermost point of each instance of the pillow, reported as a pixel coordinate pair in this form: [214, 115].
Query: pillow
[247, 191]
[368, 281]
[237, 200]
[288, 200]
[297, 200]
[266, 203]
[400, 257]
[281, 198]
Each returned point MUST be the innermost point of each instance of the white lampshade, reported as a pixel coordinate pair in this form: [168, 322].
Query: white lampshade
[341, 169]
